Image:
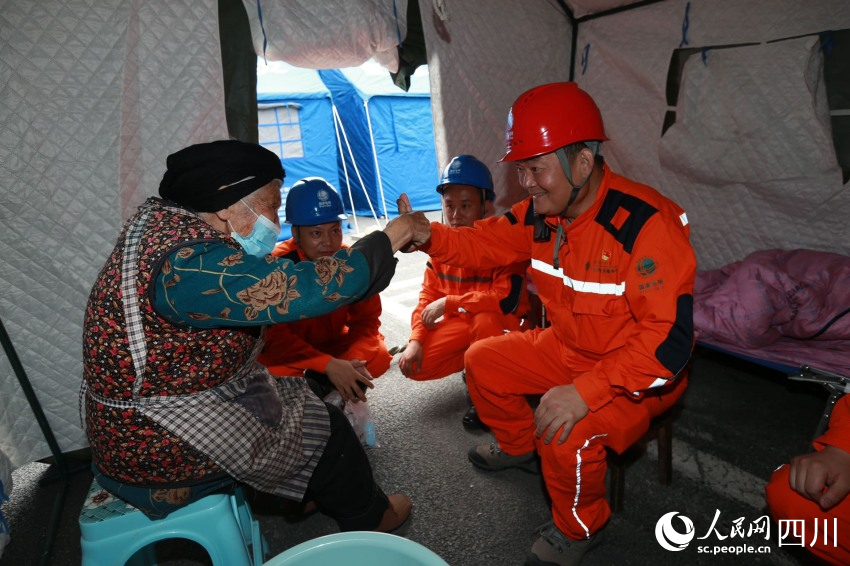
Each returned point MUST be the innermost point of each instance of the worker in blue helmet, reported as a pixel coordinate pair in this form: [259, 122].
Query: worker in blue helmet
[459, 305]
[343, 350]
[312, 201]
[468, 171]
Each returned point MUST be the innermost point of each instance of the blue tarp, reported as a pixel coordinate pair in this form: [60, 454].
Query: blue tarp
[320, 151]
[401, 124]
[403, 132]
[406, 154]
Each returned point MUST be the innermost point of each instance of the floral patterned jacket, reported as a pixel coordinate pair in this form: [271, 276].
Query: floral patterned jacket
[201, 303]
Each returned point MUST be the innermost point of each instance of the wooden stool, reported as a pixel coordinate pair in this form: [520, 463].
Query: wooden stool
[660, 429]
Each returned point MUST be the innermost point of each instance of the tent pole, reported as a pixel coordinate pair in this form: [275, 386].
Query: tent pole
[375, 156]
[58, 503]
[345, 168]
[356, 170]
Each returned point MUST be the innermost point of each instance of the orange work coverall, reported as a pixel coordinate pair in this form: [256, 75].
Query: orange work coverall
[618, 289]
[348, 333]
[479, 303]
[830, 539]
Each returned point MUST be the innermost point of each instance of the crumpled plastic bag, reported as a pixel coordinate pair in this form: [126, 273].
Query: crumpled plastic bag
[359, 415]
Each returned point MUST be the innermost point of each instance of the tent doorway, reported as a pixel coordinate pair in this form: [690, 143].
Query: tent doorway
[356, 129]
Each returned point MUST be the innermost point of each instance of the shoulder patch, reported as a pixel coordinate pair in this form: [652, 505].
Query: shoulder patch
[623, 216]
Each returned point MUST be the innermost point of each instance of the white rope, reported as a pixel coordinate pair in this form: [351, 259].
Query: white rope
[356, 170]
[345, 169]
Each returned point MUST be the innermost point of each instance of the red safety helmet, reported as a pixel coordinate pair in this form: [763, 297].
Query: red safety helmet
[549, 117]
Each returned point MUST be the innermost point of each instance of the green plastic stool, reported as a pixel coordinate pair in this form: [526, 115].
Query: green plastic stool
[114, 531]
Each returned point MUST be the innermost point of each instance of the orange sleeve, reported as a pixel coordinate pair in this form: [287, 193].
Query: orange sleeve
[502, 296]
[284, 347]
[364, 319]
[285, 247]
[428, 294]
[490, 243]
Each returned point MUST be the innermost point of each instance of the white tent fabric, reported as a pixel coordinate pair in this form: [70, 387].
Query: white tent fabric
[751, 150]
[628, 55]
[583, 8]
[280, 76]
[95, 95]
[479, 62]
[328, 35]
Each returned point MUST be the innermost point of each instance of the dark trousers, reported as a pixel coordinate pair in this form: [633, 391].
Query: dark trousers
[342, 484]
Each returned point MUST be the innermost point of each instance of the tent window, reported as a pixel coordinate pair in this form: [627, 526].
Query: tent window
[280, 130]
[836, 72]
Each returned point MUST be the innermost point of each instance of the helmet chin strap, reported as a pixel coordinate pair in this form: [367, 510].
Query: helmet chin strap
[565, 165]
[560, 235]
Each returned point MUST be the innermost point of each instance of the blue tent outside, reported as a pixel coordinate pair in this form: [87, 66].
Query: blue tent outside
[373, 109]
[319, 152]
[295, 123]
[406, 154]
[340, 148]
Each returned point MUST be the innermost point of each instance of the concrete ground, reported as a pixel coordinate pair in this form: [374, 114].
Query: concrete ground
[738, 422]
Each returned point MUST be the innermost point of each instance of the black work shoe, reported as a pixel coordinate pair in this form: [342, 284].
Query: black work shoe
[472, 422]
[553, 548]
[490, 457]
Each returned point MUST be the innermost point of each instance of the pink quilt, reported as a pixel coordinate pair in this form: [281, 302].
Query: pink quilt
[785, 306]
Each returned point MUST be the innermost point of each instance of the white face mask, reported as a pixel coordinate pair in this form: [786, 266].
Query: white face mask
[263, 237]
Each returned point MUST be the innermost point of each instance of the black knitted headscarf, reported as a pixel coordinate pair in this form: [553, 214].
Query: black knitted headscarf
[208, 177]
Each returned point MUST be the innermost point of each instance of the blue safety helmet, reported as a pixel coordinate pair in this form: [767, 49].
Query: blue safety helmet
[313, 201]
[467, 170]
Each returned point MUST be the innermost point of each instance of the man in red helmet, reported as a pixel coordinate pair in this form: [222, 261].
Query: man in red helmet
[613, 265]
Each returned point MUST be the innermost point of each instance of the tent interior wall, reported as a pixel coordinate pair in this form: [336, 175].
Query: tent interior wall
[97, 95]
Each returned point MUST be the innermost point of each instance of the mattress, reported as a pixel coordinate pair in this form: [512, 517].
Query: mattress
[788, 307]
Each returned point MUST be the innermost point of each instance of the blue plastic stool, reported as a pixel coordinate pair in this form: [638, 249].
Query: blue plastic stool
[358, 548]
[113, 531]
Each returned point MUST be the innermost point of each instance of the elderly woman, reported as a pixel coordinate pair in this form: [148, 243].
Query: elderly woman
[176, 405]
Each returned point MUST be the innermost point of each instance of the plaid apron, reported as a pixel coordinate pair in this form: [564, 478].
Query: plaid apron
[266, 432]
